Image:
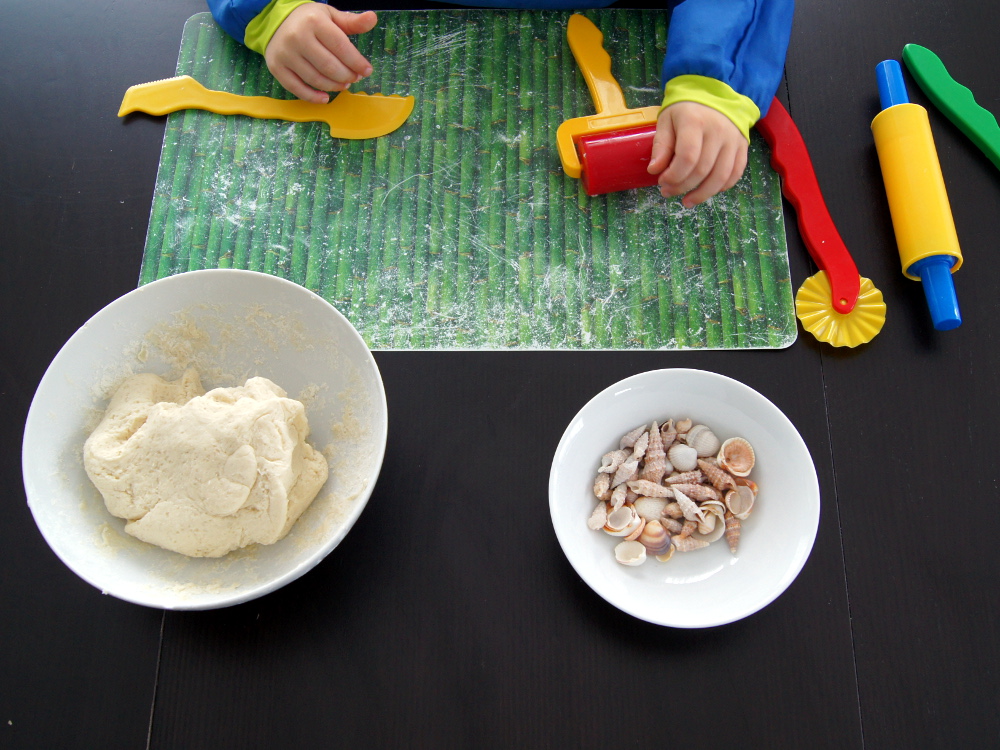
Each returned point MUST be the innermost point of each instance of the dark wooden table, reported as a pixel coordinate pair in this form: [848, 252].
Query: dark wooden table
[887, 639]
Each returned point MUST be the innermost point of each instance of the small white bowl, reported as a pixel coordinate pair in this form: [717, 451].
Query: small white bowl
[230, 325]
[709, 586]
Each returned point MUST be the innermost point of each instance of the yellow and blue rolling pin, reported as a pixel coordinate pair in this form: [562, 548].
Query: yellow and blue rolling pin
[921, 214]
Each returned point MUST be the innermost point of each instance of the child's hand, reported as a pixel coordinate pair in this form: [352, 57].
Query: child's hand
[698, 152]
[310, 53]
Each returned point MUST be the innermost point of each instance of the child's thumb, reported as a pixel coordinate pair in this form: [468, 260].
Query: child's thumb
[354, 23]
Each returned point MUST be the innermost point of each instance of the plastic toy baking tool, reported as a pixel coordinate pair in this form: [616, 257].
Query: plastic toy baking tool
[610, 150]
[955, 100]
[353, 116]
[836, 305]
[921, 214]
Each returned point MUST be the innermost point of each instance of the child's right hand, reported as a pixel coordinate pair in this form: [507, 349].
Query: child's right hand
[310, 53]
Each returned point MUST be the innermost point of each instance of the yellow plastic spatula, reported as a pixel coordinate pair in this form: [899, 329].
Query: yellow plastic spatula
[836, 305]
[350, 115]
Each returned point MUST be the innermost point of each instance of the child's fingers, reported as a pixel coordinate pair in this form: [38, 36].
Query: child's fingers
[715, 181]
[294, 84]
[690, 164]
[663, 145]
[354, 23]
[341, 50]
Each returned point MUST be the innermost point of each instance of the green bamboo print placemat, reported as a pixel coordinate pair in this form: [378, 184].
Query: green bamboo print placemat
[460, 230]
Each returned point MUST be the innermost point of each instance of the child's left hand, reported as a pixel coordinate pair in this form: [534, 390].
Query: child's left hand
[697, 151]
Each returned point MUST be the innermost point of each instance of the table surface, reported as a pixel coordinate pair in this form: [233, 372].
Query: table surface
[886, 638]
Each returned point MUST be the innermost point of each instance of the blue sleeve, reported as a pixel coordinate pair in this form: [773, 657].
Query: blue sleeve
[234, 15]
[739, 42]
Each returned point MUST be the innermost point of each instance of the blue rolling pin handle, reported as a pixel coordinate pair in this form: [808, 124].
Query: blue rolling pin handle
[891, 86]
[939, 289]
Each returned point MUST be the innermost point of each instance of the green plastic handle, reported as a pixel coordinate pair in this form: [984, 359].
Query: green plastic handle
[954, 100]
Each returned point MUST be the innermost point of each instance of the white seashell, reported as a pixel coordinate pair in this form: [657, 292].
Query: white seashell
[683, 457]
[623, 521]
[668, 433]
[740, 501]
[673, 510]
[602, 485]
[713, 529]
[599, 517]
[689, 508]
[683, 425]
[629, 438]
[626, 471]
[707, 525]
[619, 496]
[703, 440]
[656, 457]
[684, 477]
[630, 553]
[637, 530]
[666, 555]
[649, 489]
[612, 460]
[639, 449]
[736, 456]
[698, 492]
[672, 525]
[688, 543]
[732, 532]
[650, 508]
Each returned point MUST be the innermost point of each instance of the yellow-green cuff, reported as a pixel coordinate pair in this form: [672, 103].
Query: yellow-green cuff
[261, 29]
[715, 94]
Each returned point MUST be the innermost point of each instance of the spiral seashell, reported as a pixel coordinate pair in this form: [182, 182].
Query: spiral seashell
[740, 501]
[707, 525]
[684, 477]
[611, 460]
[623, 521]
[654, 538]
[683, 457]
[650, 508]
[602, 486]
[630, 553]
[713, 527]
[673, 510]
[629, 438]
[639, 449]
[646, 488]
[688, 528]
[683, 425]
[599, 517]
[626, 471]
[656, 457]
[703, 440]
[672, 525]
[618, 496]
[688, 544]
[668, 433]
[744, 482]
[698, 492]
[689, 508]
[732, 532]
[720, 478]
[736, 456]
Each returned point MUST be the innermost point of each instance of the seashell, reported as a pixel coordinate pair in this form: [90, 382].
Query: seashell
[611, 460]
[684, 477]
[740, 502]
[689, 508]
[654, 538]
[626, 471]
[732, 532]
[630, 553]
[688, 544]
[637, 530]
[650, 508]
[683, 425]
[599, 517]
[623, 521]
[668, 433]
[683, 457]
[698, 492]
[716, 507]
[629, 438]
[707, 525]
[656, 457]
[639, 449]
[673, 510]
[666, 555]
[649, 489]
[719, 477]
[672, 525]
[714, 526]
[688, 528]
[619, 496]
[744, 482]
[736, 456]
[602, 485]
[702, 439]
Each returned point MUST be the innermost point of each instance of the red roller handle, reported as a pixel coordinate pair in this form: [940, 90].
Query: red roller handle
[790, 158]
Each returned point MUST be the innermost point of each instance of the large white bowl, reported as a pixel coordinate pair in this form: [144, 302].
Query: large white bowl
[709, 586]
[230, 325]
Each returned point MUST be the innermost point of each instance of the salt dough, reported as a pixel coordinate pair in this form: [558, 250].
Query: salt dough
[204, 473]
